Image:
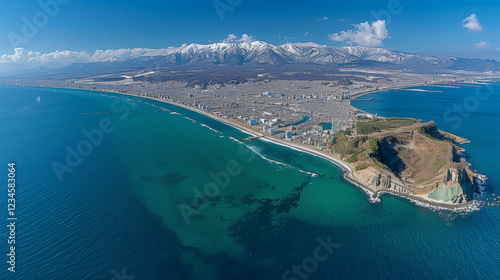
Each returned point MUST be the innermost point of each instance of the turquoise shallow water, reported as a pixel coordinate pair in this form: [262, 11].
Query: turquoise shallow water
[177, 196]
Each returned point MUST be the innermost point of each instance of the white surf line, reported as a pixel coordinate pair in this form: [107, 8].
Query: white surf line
[310, 173]
[232, 138]
[150, 104]
[436, 205]
[253, 149]
[211, 128]
[310, 151]
[268, 159]
[190, 119]
[481, 184]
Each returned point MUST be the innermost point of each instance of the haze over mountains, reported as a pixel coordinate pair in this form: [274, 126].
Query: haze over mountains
[259, 54]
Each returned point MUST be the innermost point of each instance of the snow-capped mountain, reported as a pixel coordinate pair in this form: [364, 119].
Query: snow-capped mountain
[257, 53]
[261, 52]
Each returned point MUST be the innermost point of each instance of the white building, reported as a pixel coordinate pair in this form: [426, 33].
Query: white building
[252, 122]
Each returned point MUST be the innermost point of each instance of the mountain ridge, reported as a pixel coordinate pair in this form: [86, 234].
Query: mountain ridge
[258, 52]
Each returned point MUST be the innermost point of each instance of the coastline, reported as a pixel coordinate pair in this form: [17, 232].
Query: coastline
[346, 167]
[403, 88]
[416, 199]
[373, 197]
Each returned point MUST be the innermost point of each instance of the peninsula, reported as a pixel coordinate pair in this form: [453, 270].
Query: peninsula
[287, 95]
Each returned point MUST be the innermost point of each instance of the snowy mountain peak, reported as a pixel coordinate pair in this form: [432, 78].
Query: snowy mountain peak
[262, 52]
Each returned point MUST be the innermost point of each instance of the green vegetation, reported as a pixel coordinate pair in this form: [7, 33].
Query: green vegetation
[380, 165]
[353, 158]
[354, 143]
[431, 132]
[367, 151]
[338, 143]
[363, 157]
[376, 151]
[440, 165]
[378, 125]
[362, 166]
[373, 144]
[363, 149]
[356, 149]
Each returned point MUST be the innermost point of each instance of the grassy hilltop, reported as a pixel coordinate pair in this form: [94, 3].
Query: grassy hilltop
[416, 154]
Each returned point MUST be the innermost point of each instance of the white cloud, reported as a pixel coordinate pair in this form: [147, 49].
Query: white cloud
[484, 46]
[322, 19]
[364, 34]
[245, 38]
[472, 23]
[231, 38]
[23, 58]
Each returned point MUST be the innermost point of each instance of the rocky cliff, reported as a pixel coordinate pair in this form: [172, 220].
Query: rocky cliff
[379, 181]
[458, 186]
[407, 158]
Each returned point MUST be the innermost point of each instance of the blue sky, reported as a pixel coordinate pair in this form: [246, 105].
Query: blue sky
[425, 27]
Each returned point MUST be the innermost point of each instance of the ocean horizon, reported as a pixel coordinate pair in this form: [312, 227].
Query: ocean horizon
[110, 183]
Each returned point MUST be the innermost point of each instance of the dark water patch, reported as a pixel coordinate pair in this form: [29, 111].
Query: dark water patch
[168, 179]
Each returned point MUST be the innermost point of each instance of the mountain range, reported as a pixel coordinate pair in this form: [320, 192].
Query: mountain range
[258, 54]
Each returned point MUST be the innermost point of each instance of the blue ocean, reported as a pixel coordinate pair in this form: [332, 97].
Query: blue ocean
[116, 187]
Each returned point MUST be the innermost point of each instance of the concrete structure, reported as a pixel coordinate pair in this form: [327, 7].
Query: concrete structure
[252, 122]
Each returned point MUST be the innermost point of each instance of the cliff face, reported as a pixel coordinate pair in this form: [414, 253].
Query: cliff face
[431, 129]
[409, 159]
[458, 186]
[378, 181]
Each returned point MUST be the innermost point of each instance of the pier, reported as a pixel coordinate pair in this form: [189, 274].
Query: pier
[469, 85]
[442, 86]
[420, 90]
[364, 99]
[252, 138]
